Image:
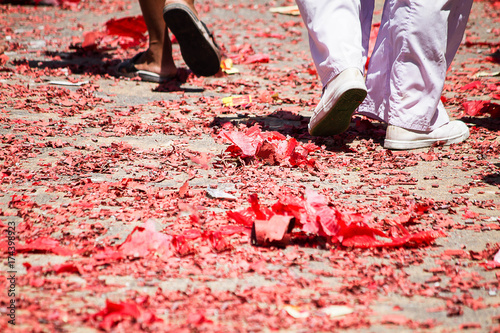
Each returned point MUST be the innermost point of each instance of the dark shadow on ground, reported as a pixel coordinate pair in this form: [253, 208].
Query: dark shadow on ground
[293, 125]
[79, 62]
[494, 178]
[489, 123]
[90, 62]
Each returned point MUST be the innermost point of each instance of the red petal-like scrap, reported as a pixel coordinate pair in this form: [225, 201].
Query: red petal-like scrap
[248, 142]
[274, 231]
[261, 213]
[473, 108]
[41, 245]
[244, 217]
[115, 312]
[67, 268]
[91, 39]
[257, 58]
[131, 26]
[480, 108]
[145, 239]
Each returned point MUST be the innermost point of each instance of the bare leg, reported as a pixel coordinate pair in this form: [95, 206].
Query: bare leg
[158, 56]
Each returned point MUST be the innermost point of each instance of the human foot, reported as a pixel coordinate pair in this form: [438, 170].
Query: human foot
[340, 99]
[143, 65]
[399, 138]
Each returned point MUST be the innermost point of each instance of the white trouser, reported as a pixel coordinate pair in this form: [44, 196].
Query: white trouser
[416, 43]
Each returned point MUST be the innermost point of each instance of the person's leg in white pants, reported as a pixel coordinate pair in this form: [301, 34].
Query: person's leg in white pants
[338, 39]
[339, 33]
[416, 43]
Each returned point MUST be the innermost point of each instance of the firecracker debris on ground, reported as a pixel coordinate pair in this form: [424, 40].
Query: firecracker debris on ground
[203, 204]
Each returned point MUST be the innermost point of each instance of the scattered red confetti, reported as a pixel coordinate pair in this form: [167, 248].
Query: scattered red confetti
[270, 147]
[118, 200]
[480, 108]
[313, 215]
[125, 32]
[116, 312]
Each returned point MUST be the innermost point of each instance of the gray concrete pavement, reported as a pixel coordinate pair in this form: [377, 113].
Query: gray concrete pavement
[85, 165]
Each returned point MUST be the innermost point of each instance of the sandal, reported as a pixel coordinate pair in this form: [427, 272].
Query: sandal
[197, 44]
[127, 68]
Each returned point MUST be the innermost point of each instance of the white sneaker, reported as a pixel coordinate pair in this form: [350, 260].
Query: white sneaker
[340, 99]
[399, 138]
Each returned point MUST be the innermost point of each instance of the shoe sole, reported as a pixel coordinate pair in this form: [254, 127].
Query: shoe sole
[153, 77]
[405, 145]
[337, 120]
[127, 69]
[198, 50]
